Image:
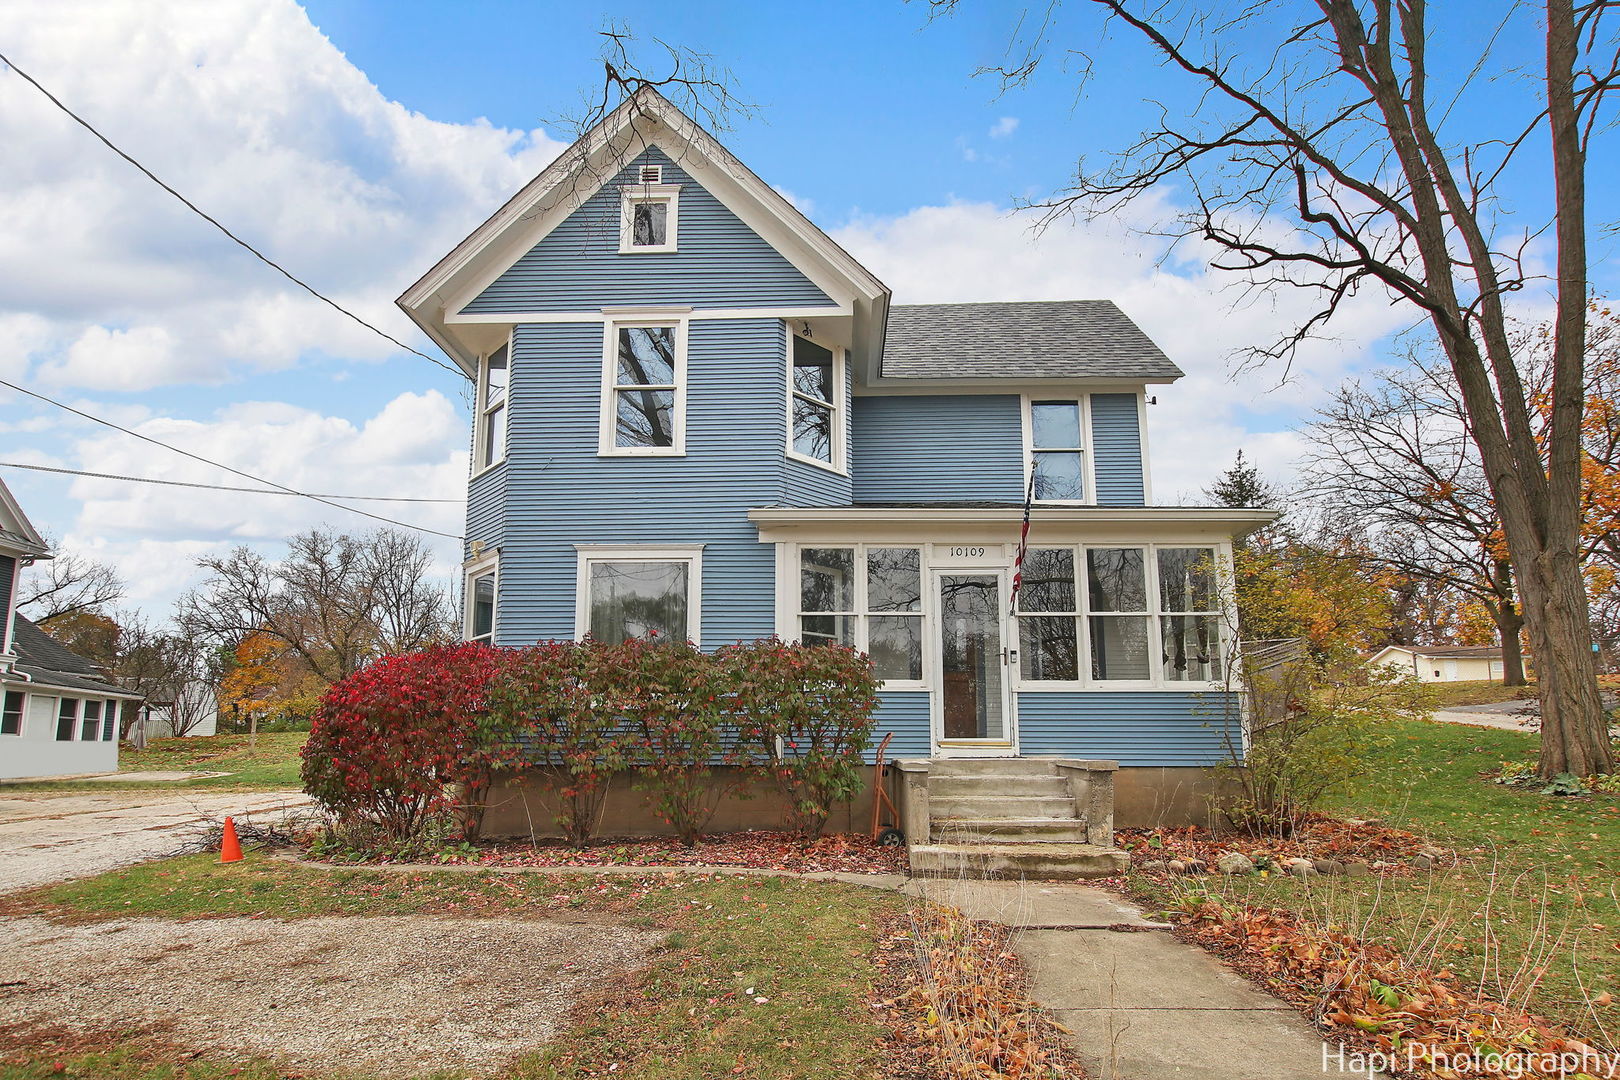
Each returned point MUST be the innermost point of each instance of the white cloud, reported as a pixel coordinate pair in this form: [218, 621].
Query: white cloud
[261, 121]
[973, 251]
[1004, 127]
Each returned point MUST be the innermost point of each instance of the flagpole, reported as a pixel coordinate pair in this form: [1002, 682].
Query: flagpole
[1023, 540]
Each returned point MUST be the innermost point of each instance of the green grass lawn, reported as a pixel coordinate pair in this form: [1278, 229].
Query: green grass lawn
[269, 764]
[1447, 695]
[682, 1018]
[1541, 872]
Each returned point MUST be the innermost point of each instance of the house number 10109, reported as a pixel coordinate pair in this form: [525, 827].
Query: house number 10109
[967, 552]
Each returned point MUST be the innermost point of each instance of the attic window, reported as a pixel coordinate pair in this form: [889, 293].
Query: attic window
[648, 217]
[652, 174]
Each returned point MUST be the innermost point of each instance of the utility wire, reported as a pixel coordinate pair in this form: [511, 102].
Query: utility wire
[207, 461]
[194, 208]
[219, 487]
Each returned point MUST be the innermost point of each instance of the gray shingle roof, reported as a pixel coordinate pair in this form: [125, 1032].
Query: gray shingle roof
[1058, 339]
[45, 660]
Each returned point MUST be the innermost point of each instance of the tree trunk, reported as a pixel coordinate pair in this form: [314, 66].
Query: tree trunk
[1509, 624]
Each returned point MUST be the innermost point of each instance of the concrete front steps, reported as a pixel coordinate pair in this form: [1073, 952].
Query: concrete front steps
[1049, 818]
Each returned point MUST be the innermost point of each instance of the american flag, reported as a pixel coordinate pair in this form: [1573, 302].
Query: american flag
[1023, 540]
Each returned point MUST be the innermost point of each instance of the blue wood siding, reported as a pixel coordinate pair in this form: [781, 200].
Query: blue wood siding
[720, 261]
[486, 507]
[938, 448]
[1116, 443]
[560, 493]
[1133, 727]
[904, 712]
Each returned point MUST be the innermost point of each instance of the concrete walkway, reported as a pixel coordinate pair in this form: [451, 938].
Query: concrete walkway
[1140, 1003]
[46, 837]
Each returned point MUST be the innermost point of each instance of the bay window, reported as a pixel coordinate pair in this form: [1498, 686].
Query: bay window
[815, 403]
[479, 617]
[639, 593]
[644, 401]
[490, 437]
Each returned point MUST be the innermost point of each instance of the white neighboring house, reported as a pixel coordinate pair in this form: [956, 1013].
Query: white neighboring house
[194, 712]
[1443, 663]
[59, 716]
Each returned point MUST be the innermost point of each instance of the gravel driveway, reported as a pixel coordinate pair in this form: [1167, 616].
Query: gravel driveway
[48, 836]
[399, 995]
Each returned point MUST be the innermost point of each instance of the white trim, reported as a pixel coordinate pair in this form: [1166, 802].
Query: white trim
[789, 600]
[1142, 433]
[607, 431]
[483, 408]
[630, 197]
[1088, 471]
[596, 315]
[840, 406]
[934, 663]
[691, 554]
[476, 568]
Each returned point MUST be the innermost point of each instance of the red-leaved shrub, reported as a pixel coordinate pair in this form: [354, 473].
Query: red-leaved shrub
[405, 738]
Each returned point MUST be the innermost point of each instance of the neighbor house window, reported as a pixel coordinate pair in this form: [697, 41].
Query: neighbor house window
[1057, 451]
[67, 718]
[1049, 617]
[492, 384]
[91, 731]
[480, 614]
[815, 403]
[1117, 613]
[109, 726]
[11, 716]
[645, 593]
[868, 598]
[1190, 619]
[650, 217]
[644, 403]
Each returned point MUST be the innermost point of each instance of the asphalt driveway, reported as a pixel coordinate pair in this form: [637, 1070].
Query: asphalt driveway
[47, 837]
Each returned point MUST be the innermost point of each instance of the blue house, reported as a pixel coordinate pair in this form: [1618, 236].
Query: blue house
[697, 415]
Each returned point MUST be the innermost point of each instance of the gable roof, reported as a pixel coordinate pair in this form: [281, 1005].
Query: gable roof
[17, 534]
[645, 119]
[48, 662]
[1059, 339]
[1477, 652]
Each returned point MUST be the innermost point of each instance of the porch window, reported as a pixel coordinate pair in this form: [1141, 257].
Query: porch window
[649, 218]
[1190, 623]
[1049, 617]
[827, 596]
[1117, 614]
[91, 731]
[67, 718]
[639, 594]
[11, 716]
[644, 401]
[1057, 451]
[491, 433]
[868, 598]
[815, 403]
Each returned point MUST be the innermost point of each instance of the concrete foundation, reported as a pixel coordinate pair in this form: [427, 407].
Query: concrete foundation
[1147, 798]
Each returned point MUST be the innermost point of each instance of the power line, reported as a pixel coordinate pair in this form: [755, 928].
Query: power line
[208, 461]
[194, 208]
[220, 487]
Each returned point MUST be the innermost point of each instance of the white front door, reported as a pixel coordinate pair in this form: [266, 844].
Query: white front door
[972, 658]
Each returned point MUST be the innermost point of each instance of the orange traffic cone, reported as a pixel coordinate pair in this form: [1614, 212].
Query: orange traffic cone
[230, 849]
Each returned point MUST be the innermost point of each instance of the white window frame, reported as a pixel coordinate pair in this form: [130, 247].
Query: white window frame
[840, 405]
[481, 420]
[633, 195]
[925, 614]
[1088, 473]
[489, 563]
[22, 717]
[78, 718]
[1155, 615]
[607, 443]
[691, 554]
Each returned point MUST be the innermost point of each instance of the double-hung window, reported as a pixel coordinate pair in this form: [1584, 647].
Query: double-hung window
[91, 731]
[67, 718]
[12, 717]
[869, 598]
[815, 403]
[639, 593]
[1190, 615]
[644, 404]
[480, 613]
[1057, 450]
[491, 434]
[649, 215]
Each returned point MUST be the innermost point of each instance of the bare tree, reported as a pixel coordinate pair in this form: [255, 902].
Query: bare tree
[1317, 163]
[176, 671]
[1395, 458]
[336, 601]
[68, 584]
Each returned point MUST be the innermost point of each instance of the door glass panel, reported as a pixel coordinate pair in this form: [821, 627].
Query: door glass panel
[970, 611]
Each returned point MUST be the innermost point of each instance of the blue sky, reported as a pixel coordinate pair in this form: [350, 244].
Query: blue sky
[357, 141]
